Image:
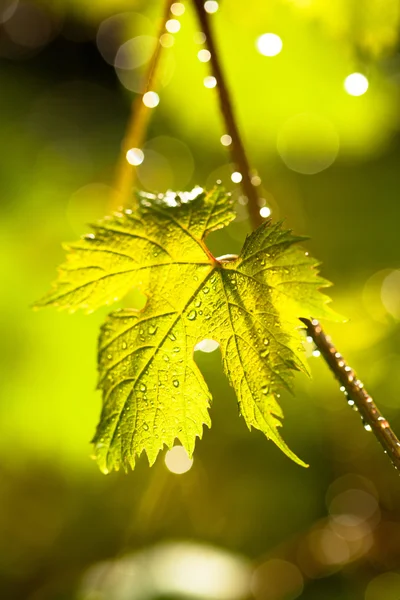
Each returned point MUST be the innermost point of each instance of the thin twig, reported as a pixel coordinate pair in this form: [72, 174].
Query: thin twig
[357, 395]
[239, 157]
[138, 120]
[354, 389]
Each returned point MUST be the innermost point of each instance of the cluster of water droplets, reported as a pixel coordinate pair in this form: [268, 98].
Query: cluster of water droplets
[205, 303]
[355, 393]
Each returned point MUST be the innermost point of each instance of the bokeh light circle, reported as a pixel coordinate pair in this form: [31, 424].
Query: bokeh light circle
[177, 460]
[210, 82]
[269, 44]
[356, 84]
[207, 346]
[265, 212]
[172, 26]
[151, 99]
[390, 293]
[211, 6]
[226, 140]
[236, 177]
[308, 143]
[177, 9]
[167, 40]
[276, 579]
[7, 9]
[384, 587]
[135, 52]
[87, 205]
[29, 25]
[135, 156]
[204, 55]
[199, 37]
[119, 29]
[169, 164]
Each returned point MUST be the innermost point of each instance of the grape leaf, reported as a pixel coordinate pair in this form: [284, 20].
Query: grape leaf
[153, 391]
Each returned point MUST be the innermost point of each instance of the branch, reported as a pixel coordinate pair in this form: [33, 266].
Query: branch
[138, 120]
[354, 389]
[239, 156]
[357, 395]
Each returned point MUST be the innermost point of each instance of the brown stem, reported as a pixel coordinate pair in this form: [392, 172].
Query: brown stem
[138, 120]
[357, 395]
[373, 419]
[239, 156]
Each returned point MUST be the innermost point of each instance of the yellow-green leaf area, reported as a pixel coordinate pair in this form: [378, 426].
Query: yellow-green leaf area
[153, 391]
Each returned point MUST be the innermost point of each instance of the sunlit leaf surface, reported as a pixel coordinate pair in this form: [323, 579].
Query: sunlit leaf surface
[153, 392]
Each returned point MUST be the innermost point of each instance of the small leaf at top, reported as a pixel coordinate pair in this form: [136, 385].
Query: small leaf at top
[153, 392]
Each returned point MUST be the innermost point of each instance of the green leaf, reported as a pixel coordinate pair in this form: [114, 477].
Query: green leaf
[153, 392]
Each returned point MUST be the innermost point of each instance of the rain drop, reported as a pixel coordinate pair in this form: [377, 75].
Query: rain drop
[176, 383]
[192, 315]
[152, 329]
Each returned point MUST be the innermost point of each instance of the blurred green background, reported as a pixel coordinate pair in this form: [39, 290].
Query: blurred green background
[243, 522]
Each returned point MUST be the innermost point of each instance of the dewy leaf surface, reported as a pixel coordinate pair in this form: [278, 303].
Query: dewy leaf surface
[153, 392]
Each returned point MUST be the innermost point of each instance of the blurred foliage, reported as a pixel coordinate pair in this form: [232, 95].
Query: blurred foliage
[370, 27]
[63, 109]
